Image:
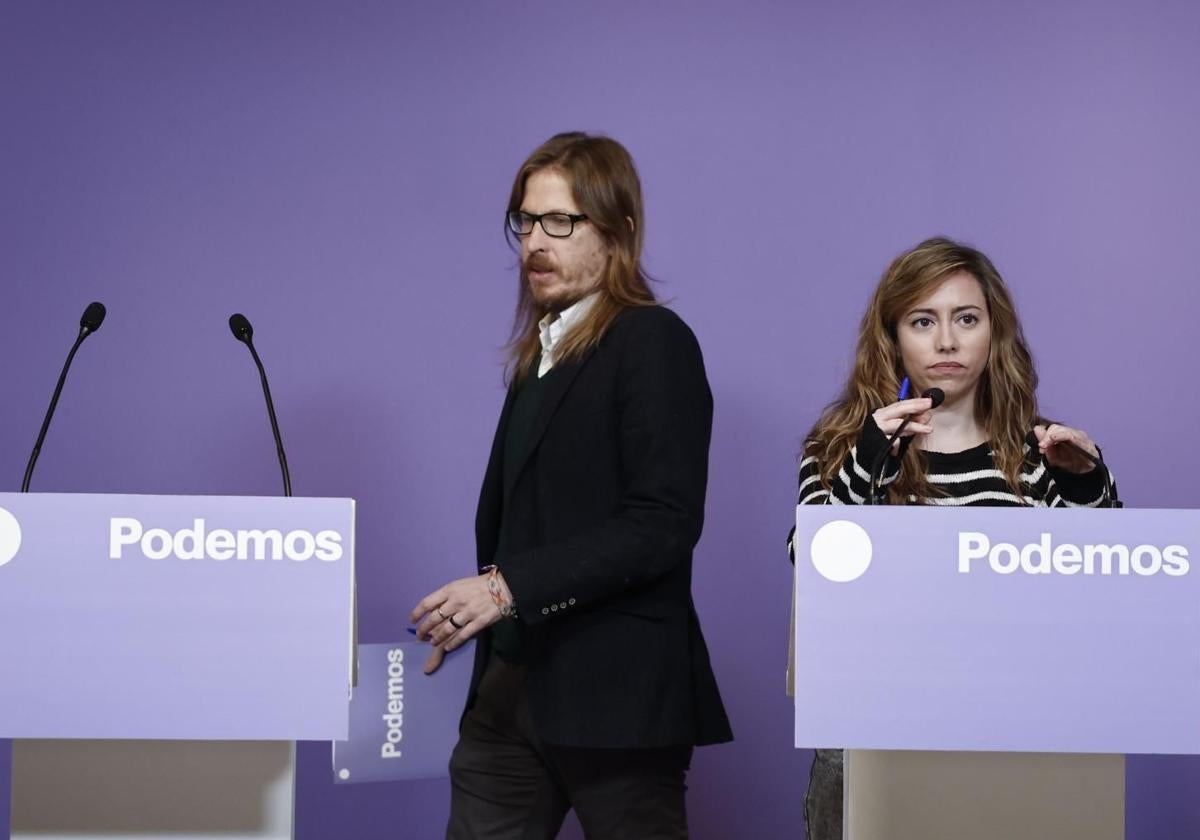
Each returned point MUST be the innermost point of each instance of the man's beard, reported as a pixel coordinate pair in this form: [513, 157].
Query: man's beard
[562, 297]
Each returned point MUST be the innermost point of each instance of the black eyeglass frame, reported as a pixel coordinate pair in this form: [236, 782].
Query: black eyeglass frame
[534, 220]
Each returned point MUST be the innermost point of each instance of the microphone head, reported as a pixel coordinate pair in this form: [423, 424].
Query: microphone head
[240, 326]
[937, 395]
[93, 316]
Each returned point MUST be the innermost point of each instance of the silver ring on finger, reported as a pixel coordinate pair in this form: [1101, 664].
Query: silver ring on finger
[438, 610]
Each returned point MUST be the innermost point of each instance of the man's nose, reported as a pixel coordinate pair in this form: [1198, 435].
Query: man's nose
[536, 239]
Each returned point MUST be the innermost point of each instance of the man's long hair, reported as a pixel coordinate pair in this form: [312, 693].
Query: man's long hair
[1005, 399]
[605, 186]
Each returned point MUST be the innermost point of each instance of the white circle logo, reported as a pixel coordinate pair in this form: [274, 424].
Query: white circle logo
[10, 536]
[841, 551]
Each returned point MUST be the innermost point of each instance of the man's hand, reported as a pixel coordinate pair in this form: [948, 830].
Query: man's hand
[451, 616]
[434, 661]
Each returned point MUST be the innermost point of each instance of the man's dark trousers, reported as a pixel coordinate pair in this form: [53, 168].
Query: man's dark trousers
[508, 785]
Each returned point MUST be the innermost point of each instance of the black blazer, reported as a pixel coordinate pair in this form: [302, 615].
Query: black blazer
[603, 514]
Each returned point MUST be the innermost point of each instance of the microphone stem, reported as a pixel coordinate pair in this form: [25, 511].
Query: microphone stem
[262, 374]
[877, 467]
[62, 378]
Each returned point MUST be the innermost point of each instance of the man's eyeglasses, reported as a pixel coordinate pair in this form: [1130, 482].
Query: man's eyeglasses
[559, 225]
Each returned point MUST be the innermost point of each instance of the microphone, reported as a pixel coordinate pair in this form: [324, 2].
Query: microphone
[935, 395]
[92, 318]
[239, 325]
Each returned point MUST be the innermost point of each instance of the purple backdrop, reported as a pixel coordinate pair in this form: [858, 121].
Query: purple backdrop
[338, 171]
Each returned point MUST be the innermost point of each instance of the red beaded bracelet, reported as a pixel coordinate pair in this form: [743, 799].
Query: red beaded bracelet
[508, 608]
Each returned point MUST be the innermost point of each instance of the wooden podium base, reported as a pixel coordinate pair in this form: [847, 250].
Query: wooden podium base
[136, 790]
[983, 796]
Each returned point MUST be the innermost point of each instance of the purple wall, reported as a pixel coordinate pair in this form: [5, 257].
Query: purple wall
[338, 172]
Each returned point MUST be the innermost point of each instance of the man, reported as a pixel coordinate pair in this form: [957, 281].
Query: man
[592, 681]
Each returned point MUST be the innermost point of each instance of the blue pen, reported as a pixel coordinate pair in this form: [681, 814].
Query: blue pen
[904, 386]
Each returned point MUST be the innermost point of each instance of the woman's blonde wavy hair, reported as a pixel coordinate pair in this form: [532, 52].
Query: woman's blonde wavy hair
[1005, 400]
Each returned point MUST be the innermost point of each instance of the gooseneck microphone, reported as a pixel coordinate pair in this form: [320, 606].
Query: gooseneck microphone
[935, 395]
[243, 332]
[92, 318]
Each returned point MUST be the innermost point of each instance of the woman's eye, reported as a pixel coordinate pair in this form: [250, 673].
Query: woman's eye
[922, 323]
[970, 320]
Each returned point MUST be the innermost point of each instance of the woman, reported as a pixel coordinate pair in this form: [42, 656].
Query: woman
[940, 318]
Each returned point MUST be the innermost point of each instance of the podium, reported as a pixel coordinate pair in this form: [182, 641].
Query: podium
[987, 668]
[223, 622]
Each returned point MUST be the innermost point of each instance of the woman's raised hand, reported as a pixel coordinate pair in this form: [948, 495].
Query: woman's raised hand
[1061, 444]
[889, 418]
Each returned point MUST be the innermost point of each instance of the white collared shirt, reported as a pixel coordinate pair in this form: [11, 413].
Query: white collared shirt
[552, 329]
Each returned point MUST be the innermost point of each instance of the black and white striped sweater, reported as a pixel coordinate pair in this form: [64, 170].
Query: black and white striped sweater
[962, 478]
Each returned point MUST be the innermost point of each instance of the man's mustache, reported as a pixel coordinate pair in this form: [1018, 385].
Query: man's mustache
[537, 262]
